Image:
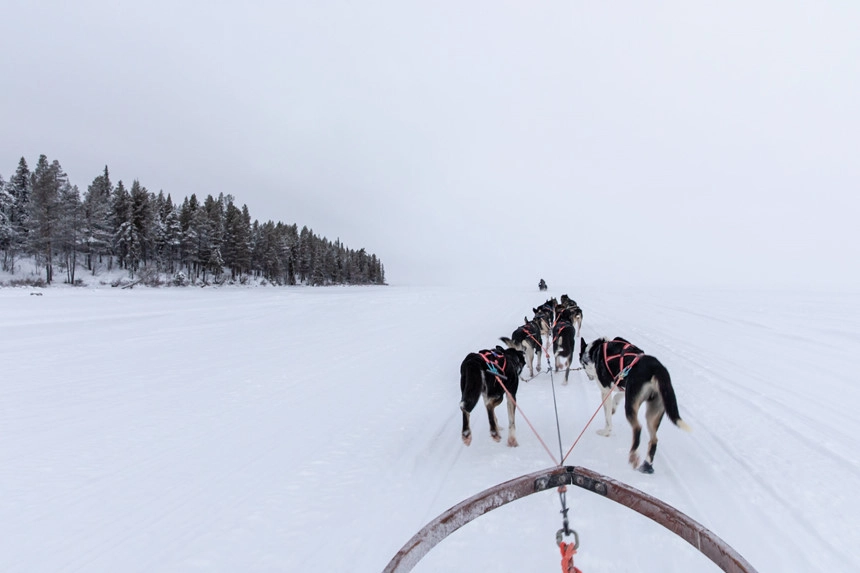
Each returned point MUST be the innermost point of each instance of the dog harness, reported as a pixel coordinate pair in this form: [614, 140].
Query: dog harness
[497, 362]
[627, 355]
[529, 330]
[561, 326]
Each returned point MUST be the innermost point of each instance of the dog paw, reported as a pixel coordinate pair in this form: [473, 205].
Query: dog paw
[467, 439]
[646, 468]
[512, 442]
[605, 432]
[634, 459]
[496, 437]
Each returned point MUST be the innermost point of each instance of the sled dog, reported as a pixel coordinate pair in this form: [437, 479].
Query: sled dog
[528, 339]
[483, 374]
[642, 378]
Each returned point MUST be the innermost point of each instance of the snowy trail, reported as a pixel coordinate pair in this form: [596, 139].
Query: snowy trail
[296, 429]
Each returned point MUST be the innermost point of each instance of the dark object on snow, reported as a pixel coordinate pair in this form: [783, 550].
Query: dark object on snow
[542, 285]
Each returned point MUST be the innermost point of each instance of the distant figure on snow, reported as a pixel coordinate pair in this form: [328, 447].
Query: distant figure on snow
[542, 284]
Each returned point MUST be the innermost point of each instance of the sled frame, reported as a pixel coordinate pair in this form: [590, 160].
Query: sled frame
[694, 533]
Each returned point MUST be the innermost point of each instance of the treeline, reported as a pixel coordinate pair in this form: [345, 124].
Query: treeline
[42, 215]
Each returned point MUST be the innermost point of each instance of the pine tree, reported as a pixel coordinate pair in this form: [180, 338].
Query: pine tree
[140, 232]
[71, 225]
[244, 242]
[122, 236]
[45, 212]
[187, 218]
[98, 226]
[305, 254]
[7, 204]
[213, 235]
[19, 188]
[173, 238]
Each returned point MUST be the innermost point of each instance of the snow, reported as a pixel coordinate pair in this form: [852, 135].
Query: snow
[307, 429]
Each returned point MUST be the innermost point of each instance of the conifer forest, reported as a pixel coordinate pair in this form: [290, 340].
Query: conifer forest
[45, 219]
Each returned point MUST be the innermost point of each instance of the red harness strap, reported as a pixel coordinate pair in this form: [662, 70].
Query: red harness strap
[527, 329]
[494, 363]
[561, 329]
[628, 351]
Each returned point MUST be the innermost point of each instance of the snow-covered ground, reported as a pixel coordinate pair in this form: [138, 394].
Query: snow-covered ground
[302, 429]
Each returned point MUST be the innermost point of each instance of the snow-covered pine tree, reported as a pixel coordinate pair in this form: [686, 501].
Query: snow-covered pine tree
[7, 204]
[232, 221]
[141, 226]
[187, 214]
[121, 216]
[47, 179]
[173, 239]
[20, 188]
[98, 237]
[71, 227]
[244, 242]
[214, 209]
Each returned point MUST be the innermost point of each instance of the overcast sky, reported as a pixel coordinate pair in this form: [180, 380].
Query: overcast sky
[677, 142]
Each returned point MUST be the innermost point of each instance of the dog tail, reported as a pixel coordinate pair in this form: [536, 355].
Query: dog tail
[667, 393]
[509, 343]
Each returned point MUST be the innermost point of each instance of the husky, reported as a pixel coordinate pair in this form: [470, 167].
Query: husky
[488, 373]
[567, 303]
[528, 338]
[547, 311]
[563, 341]
[642, 378]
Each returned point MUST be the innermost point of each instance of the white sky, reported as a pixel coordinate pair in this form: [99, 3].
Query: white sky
[588, 143]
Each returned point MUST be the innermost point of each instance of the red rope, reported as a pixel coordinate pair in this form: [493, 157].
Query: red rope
[523, 414]
[615, 383]
[576, 441]
[568, 550]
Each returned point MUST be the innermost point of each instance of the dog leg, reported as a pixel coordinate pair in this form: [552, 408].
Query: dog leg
[467, 432]
[616, 400]
[512, 426]
[470, 392]
[530, 355]
[491, 414]
[653, 416]
[634, 457]
[633, 401]
[637, 435]
[607, 411]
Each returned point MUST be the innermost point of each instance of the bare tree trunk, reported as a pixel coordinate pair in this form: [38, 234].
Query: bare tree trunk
[49, 266]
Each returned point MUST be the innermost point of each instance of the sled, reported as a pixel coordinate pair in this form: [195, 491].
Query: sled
[697, 535]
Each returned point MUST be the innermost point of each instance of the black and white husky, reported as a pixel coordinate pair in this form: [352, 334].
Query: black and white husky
[567, 303]
[642, 378]
[483, 374]
[528, 338]
[563, 341]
